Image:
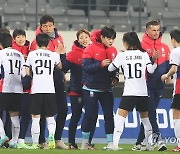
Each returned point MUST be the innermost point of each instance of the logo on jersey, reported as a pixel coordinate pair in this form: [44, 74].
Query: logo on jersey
[149, 50]
[163, 52]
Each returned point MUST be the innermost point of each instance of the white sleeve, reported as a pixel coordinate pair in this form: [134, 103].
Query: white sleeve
[150, 67]
[116, 63]
[28, 60]
[22, 60]
[56, 58]
[23, 71]
[174, 57]
[1, 57]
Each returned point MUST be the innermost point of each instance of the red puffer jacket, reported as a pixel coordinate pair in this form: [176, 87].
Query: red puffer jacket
[94, 75]
[154, 80]
[23, 49]
[52, 43]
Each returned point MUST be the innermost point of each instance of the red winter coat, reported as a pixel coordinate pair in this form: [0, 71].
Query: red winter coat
[94, 75]
[74, 64]
[52, 43]
[150, 45]
[23, 49]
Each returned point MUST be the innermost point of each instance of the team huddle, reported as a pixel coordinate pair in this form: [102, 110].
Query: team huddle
[33, 85]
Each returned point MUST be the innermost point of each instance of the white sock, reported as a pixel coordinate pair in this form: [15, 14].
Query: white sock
[177, 131]
[35, 130]
[21, 141]
[118, 129]
[2, 132]
[15, 128]
[147, 128]
[84, 141]
[51, 124]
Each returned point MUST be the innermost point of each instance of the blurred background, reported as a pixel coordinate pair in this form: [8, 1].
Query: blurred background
[71, 15]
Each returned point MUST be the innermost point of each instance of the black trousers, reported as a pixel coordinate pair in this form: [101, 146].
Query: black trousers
[77, 104]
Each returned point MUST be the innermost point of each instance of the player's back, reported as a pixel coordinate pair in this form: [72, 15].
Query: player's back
[134, 67]
[42, 63]
[12, 62]
[175, 60]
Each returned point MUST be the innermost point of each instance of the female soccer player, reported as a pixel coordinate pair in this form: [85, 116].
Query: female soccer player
[134, 63]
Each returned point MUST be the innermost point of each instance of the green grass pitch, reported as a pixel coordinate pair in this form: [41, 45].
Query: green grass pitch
[126, 150]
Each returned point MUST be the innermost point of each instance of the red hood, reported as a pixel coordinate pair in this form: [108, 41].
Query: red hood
[95, 36]
[111, 52]
[151, 45]
[53, 43]
[149, 41]
[23, 49]
[38, 30]
[75, 55]
[77, 47]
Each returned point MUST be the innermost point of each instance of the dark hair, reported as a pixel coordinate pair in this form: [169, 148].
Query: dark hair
[18, 32]
[5, 39]
[46, 18]
[152, 23]
[175, 34]
[131, 38]
[42, 39]
[108, 32]
[82, 31]
[4, 30]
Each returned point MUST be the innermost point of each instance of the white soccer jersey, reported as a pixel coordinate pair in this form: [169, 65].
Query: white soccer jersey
[175, 60]
[42, 63]
[12, 62]
[134, 64]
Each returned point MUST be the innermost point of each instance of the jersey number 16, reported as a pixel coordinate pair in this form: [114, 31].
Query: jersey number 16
[137, 72]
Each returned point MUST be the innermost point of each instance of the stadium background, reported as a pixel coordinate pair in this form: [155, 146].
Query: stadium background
[124, 15]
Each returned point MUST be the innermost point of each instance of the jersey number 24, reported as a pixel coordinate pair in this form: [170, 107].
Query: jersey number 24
[41, 65]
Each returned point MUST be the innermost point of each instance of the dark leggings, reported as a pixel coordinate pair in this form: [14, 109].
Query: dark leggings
[76, 108]
[24, 115]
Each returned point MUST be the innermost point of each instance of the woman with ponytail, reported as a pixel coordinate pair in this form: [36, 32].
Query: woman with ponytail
[134, 63]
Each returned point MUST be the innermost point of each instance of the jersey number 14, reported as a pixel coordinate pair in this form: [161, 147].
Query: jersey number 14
[16, 66]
